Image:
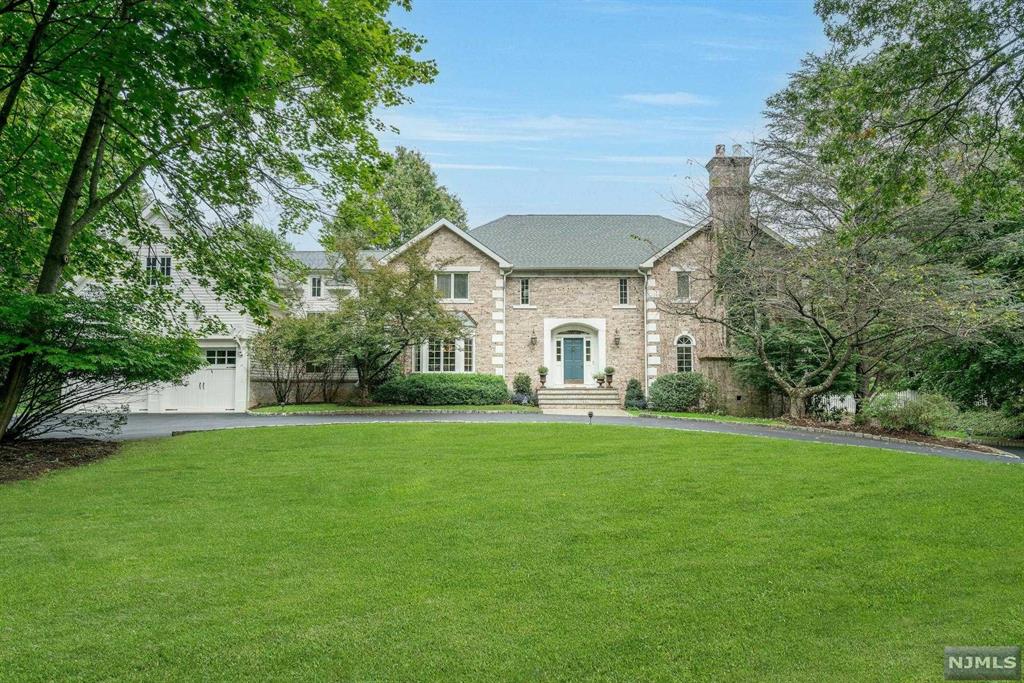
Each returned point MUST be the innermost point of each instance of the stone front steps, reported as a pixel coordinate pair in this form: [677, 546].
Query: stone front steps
[578, 398]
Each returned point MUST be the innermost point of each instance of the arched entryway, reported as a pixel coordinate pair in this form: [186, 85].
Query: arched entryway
[574, 351]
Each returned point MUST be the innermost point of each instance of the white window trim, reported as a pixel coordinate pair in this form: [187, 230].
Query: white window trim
[693, 352]
[452, 299]
[423, 353]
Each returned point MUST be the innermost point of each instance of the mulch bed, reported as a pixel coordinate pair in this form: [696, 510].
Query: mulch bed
[895, 434]
[38, 456]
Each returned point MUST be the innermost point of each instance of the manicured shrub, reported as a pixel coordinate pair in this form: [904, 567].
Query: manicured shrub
[682, 391]
[991, 423]
[521, 383]
[924, 414]
[635, 395]
[443, 388]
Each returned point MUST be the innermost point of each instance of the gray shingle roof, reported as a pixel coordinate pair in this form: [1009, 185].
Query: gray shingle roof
[578, 241]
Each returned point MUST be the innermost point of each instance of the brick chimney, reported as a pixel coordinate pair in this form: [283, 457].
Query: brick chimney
[729, 187]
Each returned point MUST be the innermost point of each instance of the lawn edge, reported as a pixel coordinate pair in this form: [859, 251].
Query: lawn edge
[839, 432]
[391, 411]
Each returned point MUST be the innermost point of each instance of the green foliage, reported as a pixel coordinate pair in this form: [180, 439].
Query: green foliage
[924, 414]
[990, 423]
[96, 346]
[542, 370]
[796, 354]
[278, 354]
[635, 395]
[682, 391]
[443, 389]
[916, 94]
[220, 108]
[609, 370]
[396, 307]
[408, 200]
[522, 384]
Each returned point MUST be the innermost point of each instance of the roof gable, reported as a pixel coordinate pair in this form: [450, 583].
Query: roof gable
[441, 225]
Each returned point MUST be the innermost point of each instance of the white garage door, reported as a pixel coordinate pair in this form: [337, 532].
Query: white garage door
[210, 390]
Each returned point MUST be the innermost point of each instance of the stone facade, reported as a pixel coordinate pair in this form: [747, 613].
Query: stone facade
[485, 306]
[628, 319]
[585, 302]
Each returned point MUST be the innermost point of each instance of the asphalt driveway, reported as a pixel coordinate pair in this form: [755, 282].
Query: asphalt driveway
[145, 426]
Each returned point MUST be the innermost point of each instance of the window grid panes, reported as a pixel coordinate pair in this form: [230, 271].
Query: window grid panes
[586, 350]
[448, 357]
[623, 291]
[221, 356]
[460, 282]
[315, 284]
[524, 291]
[434, 357]
[157, 265]
[467, 355]
[683, 286]
[417, 360]
[558, 350]
[684, 355]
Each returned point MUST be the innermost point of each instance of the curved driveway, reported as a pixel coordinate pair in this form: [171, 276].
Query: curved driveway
[142, 426]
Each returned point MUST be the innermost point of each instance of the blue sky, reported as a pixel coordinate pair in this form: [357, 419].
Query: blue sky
[599, 106]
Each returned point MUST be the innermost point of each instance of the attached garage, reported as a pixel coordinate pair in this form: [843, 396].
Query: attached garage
[210, 390]
[219, 387]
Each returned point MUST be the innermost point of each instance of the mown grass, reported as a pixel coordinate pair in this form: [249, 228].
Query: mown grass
[506, 552]
[382, 408]
[713, 417]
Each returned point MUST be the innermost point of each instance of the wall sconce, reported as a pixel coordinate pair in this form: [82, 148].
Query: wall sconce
[616, 339]
[533, 338]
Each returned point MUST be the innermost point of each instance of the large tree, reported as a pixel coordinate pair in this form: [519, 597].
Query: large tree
[395, 307]
[214, 107]
[407, 200]
[919, 93]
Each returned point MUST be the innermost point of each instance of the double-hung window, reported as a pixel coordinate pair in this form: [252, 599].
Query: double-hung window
[316, 284]
[524, 291]
[452, 285]
[623, 291]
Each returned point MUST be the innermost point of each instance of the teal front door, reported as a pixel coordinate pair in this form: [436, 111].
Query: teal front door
[572, 359]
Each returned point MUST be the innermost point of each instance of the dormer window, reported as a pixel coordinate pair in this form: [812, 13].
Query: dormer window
[315, 286]
[452, 285]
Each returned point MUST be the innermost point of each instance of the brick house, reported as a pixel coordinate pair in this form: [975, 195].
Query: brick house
[578, 293]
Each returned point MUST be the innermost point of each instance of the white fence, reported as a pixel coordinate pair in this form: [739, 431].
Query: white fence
[846, 402]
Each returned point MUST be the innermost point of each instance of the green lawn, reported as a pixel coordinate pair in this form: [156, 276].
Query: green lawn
[506, 552]
[713, 417]
[360, 410]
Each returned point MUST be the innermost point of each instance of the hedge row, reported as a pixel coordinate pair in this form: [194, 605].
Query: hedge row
[443, 388]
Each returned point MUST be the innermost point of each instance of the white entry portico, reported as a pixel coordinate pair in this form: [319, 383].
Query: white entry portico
[566, 337]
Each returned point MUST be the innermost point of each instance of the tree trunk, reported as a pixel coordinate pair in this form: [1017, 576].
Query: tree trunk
[797, 405]
[27, 62]
[60, 241]
[862, 390]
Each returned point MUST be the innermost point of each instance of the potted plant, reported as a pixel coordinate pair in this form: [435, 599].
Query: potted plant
[608, 372]
[599, 376]
[543, 372]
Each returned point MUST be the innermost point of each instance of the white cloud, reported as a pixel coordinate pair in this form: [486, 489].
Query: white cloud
[672, 99]
[650, 159]
[483, 167]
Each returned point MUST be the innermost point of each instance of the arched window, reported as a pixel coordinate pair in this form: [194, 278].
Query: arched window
[684, 354]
